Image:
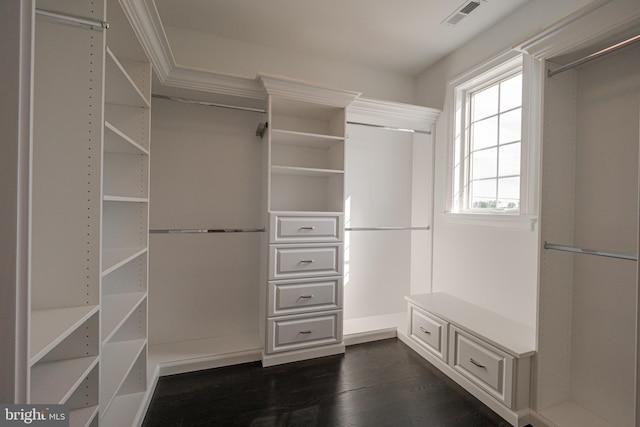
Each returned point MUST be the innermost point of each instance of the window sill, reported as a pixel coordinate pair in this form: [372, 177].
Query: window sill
[522, 222]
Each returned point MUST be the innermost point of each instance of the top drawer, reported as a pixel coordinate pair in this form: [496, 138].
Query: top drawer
[306, 227]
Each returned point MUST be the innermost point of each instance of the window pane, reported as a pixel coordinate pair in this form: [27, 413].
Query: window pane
[509, 159]
[510, 126]
[511, 93]
[483, 194]
[484, 133]
[484, 103]
[484, 163]
[509, 193]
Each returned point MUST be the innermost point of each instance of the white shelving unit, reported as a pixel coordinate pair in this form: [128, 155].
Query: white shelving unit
[303, 264]
[89, 209]
[125, 223]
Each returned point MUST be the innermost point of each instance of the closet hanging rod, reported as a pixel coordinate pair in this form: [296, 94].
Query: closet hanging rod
[206, 230]
[595, 55]
[92, 23]
[590, 251]
[386, 228]
[426, 132]
[209, 104]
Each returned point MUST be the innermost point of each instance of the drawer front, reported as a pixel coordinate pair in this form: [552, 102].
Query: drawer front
[303, 296]
[290, 261]
[297, 332]
[429, 331]
[306, 228]
[483, 364]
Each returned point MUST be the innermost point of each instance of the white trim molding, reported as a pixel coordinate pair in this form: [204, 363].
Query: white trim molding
[306, 91]
[384, 113]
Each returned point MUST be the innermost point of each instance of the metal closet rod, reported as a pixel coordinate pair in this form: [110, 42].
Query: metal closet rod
[261, 110]
[590, 251]
[93, 23]
[386, 228]
[206, 230]
[595, 55]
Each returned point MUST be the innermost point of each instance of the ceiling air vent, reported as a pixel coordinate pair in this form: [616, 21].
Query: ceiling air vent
[462, 12]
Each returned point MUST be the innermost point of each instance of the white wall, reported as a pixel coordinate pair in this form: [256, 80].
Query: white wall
[495, 268]
[217, 54]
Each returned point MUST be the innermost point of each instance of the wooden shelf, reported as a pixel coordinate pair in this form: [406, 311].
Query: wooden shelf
[304, 139]
[118, 358]
[301, 171]
[49, 327]
[116, 309]
[54, 382]
[114, 258]
[82, 417]
[116, 141]
[120, 87]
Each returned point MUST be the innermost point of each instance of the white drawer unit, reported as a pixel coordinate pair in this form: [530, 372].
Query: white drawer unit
[484, 365]
[306, 227]
[429, 331]
[304, 296]
[290, 261]
[297, 332]
[487, 354]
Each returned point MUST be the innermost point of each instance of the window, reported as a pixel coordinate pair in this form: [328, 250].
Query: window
[493, 142]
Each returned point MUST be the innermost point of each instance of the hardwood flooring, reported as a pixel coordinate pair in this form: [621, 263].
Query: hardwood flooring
[382, 383]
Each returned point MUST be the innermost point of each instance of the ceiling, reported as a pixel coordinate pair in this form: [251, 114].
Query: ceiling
[401, 36]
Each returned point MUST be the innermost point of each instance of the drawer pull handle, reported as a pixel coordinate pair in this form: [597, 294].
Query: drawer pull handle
[479, 365]
[306, 261]
[306, 296]
[307, 228]
[425, 331]
[305, 332]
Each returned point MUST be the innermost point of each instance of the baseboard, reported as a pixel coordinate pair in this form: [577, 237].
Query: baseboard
[296, 356]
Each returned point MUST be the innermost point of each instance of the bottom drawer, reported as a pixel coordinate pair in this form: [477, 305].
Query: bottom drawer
[429, 331]
[486, 366]
[297, 332]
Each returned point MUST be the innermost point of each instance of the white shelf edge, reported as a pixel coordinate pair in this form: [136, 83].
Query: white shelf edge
[121, 256]
[82, 417]
[62, 378]
[128, 303]
[110, 126]
[127, 199]
[297, 170]
[127, 353]
[308, 135]
[125, 74]
[55, 325]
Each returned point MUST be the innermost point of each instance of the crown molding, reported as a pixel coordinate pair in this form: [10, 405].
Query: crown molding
[392, 114]
[304, 91]
[207, 81]
[583, 26]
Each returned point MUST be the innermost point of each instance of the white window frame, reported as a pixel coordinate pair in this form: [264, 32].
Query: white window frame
[458, 88]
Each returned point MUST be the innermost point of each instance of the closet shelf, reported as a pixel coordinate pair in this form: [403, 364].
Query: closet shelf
[114, 258]
[118, 359]
[116, 309]
[54, 382]
[125, 199]
[82, 416]
[123, 410]
[304, 139]
[120, 87]
[116, 141]
[301, 171]
[569, 414]
[50, 326]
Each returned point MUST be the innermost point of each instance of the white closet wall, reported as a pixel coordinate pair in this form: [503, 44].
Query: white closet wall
[588, 304]
[388, 184]
[205, 174]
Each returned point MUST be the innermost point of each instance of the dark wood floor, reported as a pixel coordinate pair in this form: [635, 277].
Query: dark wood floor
[382, 383]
